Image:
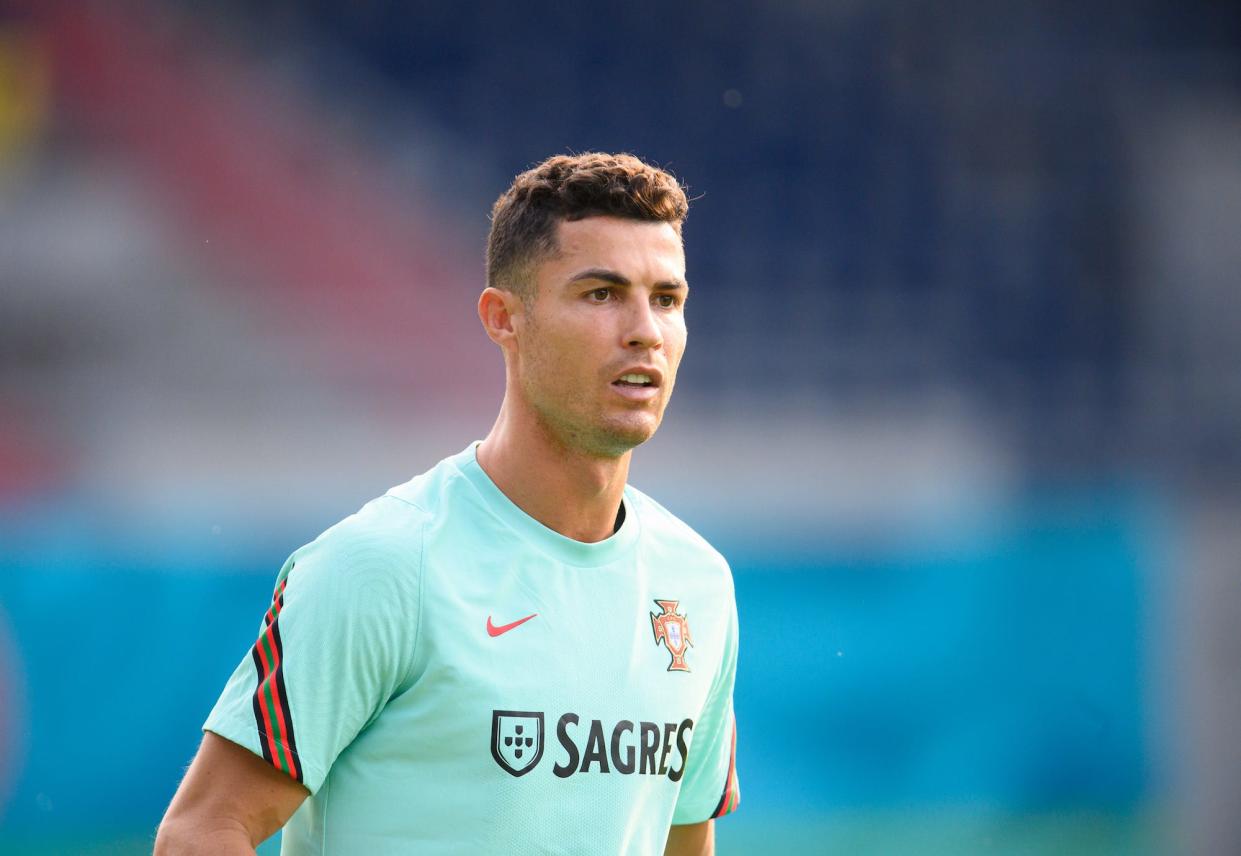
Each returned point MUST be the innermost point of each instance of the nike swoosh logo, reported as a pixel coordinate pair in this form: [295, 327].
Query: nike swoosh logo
[492, 630]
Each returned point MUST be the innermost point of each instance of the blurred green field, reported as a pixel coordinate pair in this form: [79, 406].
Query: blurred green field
[948, 833]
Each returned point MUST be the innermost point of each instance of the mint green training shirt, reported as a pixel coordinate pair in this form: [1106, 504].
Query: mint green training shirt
[447, 675]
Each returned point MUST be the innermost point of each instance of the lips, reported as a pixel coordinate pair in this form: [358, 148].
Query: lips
[638, 384]
[638, 377]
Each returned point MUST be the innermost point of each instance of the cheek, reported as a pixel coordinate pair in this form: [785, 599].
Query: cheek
[674, 342]
[558, 362]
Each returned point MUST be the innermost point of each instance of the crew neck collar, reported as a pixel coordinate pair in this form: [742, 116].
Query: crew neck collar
[563, 549]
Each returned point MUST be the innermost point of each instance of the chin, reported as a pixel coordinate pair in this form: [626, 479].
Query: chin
[626, 435]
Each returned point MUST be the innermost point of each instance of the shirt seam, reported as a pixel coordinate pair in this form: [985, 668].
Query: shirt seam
[408, 502]
[407, 680]
[326, 789]
[422, 582]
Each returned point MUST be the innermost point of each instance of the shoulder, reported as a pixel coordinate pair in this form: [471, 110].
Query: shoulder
[397, 519]
[663, 530]
[432, 493]
[381, 530]
[693, 571]
[383, 538]
[391, 529]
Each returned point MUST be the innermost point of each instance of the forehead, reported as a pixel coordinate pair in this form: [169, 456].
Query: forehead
[641, 251]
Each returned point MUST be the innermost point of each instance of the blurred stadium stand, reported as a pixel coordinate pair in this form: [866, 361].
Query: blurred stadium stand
[962, 403]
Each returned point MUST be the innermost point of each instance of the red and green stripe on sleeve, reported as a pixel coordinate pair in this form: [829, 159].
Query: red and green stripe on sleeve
[732, 792]
[271, 699]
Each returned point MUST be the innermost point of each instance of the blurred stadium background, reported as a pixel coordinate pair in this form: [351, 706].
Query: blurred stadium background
[963, 401]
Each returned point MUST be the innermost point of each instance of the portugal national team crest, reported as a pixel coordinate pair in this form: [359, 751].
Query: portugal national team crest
[673, 630]
[517, 739]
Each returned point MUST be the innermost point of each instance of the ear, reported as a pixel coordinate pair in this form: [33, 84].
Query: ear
[496, 309]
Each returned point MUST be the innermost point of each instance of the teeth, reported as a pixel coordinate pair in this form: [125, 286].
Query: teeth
[635, 378]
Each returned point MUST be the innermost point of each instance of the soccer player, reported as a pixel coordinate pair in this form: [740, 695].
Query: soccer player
[514, 652]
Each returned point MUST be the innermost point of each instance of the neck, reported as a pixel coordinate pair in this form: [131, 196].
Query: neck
[565, 489]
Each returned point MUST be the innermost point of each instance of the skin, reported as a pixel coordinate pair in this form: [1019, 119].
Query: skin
[610, 300]
[229, 802]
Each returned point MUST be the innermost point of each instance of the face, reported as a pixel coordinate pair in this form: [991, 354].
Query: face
[598, 346]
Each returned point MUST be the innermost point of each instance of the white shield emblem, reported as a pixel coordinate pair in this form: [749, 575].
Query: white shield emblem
[517, 739]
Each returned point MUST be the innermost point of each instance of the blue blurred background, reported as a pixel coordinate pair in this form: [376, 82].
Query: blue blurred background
[962, 402]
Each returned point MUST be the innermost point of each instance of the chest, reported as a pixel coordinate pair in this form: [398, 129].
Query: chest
[597, 670]
[531, 629]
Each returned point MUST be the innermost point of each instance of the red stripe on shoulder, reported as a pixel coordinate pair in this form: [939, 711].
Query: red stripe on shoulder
[271, 701]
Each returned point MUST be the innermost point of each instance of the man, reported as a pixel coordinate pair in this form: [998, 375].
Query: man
[514, 652]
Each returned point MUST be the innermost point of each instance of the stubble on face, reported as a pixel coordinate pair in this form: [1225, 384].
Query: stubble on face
[569, 418]
[572, 351]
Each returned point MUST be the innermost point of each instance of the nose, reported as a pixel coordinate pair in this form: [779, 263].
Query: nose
[644, 330]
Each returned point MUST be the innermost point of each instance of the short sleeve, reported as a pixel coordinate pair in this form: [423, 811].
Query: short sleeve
[710, 788]
[336, 643]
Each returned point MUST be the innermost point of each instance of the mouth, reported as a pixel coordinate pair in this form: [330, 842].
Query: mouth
[639, 383]
[635, 380]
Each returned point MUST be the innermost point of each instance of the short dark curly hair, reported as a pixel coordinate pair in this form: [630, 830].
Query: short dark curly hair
[573, 187]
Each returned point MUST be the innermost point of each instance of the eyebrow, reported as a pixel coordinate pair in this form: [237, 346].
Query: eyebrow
[606, 275]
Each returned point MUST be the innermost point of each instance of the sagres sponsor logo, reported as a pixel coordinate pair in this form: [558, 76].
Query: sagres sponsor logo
[626, 747]
[517, 739]
[645, 748]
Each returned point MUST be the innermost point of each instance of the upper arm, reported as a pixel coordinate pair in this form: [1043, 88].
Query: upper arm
[335, 645]
[691, 839]
[228, 793]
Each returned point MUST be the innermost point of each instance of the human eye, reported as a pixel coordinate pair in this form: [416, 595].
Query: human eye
[599, 295]
[668, 301]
